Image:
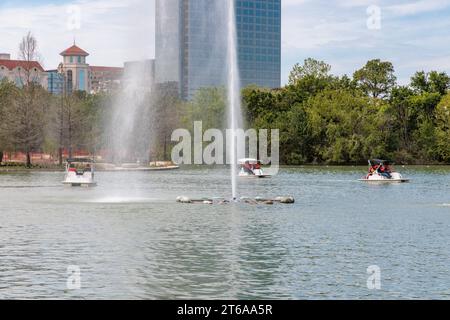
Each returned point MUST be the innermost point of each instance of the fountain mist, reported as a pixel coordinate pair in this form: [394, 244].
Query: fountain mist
[131, 122]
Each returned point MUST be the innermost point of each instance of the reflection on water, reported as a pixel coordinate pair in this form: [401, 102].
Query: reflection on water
[131, 240]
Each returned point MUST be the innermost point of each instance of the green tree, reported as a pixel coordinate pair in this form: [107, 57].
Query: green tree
[443, 129]
[419, 124]
[258, 102]
[311, 68]
[25, 119]
[167, 109]
[308, 79]
[419, 82]
[75, 122]
[423, 105]
[433, 82]
[376, 78]
[347, 128]
[425, 141]
[321, 118]
[297, 138]
[439, 82]
[95, 109]
[400, 106]
[209, 106]
[7, 91]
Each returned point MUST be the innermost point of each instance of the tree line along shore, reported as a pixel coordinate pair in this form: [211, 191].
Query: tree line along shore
[322, 118]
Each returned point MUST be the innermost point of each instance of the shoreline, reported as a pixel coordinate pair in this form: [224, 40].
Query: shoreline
[6, 169]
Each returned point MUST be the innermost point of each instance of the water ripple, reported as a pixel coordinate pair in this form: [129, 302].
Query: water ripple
[136, 242]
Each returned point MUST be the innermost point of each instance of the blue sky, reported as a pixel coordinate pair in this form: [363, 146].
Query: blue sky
[414, 34]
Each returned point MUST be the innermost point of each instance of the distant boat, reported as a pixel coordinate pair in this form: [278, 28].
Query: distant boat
[80, 173]
[251, 168]
[383, 171]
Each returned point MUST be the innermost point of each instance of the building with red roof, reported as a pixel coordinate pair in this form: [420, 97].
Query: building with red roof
[75, 69]
[20, 72]
[78, 75]
[74, 51]
[73, 74]
[104, 79]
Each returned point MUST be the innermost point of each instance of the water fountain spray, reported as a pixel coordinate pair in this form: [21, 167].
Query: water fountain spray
[234, 114]
[234, 96]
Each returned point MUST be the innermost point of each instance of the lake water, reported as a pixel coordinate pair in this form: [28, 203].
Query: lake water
[131, 240]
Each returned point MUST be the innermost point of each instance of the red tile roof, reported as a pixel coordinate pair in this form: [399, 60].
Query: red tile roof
[74, 51]
[27, 65]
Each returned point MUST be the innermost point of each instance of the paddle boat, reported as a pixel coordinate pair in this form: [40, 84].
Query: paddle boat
[382, 171]
[80, 173]
[251, 168]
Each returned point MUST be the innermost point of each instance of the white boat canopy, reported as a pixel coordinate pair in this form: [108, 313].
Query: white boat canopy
[249, 160]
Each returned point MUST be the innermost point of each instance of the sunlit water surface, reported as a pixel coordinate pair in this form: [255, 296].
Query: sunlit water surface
[131, 240]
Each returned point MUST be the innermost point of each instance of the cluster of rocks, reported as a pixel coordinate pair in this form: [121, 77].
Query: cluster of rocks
[254, 201]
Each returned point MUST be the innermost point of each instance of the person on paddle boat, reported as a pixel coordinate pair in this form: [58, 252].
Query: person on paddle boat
[385, 170]
[373, 169]
[382, 170]
[251, 168]
[248, 168]
[80, 173]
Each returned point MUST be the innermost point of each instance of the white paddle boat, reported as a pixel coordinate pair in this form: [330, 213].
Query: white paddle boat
[251, 168]
[383, 171]
[80, 173]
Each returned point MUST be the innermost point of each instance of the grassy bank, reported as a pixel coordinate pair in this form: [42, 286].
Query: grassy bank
[19, 167]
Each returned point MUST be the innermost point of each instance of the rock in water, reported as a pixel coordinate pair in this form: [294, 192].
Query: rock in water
[184, 200]
[250, 201]
[285, 200]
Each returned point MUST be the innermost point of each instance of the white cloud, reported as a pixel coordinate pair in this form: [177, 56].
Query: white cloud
[357, 3]
[292, 3]
[112, 31]
[430, 63]
[337, 33]
[313, 25]
[422, 6]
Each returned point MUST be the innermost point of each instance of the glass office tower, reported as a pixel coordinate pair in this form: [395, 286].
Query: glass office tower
[191, 43]
[259, 42]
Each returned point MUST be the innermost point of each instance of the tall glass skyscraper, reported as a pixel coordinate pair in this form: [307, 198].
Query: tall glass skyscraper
[259, 42]
[191, 43]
